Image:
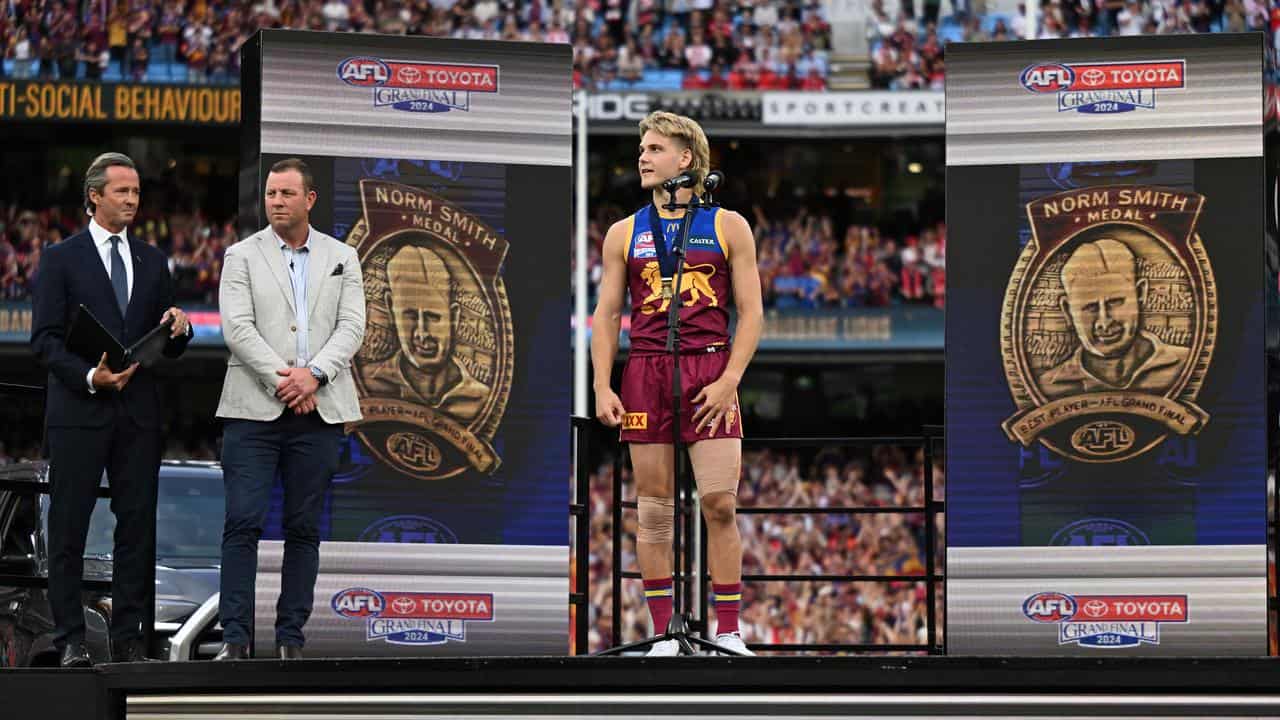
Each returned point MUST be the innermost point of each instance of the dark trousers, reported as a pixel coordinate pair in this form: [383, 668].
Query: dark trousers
[131, 457]
[303, 451]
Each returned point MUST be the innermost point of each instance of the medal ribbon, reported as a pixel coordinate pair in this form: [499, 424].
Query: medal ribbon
[666, 258]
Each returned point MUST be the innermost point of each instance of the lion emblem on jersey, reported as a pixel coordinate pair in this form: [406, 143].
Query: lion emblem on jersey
[696, 280]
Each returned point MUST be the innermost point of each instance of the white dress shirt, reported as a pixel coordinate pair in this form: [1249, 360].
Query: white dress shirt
[296, 264]
[102, 243]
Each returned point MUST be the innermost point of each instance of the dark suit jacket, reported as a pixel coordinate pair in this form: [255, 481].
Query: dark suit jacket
[71, 273]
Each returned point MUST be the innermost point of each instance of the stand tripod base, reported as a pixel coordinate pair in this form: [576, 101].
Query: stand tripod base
[678, 630]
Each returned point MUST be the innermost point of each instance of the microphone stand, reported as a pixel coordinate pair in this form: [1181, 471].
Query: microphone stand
[678, 628]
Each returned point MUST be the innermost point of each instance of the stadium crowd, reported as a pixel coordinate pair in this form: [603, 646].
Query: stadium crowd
[716, 45]
[706, 43]
[193, 243]
[801, 263]
[907, 52]
[806, 261]
[776, 612]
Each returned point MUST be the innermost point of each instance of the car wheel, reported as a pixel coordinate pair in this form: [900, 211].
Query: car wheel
[15, 645]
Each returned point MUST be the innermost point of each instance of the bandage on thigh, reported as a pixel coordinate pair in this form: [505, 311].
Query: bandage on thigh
[717, 465]
[657, 525]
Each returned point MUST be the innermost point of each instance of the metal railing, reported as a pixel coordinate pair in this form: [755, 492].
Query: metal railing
[931, 508]
[580, 511]
[928, 440]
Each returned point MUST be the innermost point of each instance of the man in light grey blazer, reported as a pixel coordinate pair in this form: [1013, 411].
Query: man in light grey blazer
[292, 305]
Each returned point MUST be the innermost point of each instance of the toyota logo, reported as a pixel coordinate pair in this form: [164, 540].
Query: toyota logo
[403, 605]
[409, 75]
[1093, 77]
[1095, 608]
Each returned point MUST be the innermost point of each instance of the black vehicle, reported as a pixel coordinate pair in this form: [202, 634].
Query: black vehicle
[188, 537]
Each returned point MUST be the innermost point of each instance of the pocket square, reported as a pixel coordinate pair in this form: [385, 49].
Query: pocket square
[336, 271]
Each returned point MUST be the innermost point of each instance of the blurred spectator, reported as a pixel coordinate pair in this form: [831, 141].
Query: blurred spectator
[118, 37]
[630, 62]
[169, 31]
[196, 40]
[337, 15]
[220, 64]
[94, 56]
[139, 59]
[23, 51]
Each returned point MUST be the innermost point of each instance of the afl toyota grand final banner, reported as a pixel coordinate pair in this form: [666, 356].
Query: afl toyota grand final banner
[445, 164]
[1106, 388]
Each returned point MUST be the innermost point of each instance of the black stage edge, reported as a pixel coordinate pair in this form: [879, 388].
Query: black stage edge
[53, 694]
[592, 687]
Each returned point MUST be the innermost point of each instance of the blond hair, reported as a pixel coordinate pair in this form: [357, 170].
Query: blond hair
[687, 131]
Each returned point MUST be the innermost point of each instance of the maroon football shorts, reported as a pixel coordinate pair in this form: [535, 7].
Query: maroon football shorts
[646, 397]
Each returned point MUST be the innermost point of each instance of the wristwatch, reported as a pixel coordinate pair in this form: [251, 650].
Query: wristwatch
[318, 374]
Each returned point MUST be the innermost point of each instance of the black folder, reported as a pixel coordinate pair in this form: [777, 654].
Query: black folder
[89, 339]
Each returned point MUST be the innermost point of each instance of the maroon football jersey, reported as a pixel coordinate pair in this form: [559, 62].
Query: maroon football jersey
[705, 287]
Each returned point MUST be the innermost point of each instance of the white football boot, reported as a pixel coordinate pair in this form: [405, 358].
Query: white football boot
[733, 641]
[665, 648]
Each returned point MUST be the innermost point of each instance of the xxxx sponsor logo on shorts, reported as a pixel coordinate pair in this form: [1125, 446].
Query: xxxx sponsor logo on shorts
[635, 421]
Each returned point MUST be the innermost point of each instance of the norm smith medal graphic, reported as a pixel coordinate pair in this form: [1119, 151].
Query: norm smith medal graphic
[435, 369]
[1108, 323]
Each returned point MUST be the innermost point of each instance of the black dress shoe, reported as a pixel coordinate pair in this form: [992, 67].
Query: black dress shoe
[129, 651]
[232, 651]
[289, 652]
[75, 655]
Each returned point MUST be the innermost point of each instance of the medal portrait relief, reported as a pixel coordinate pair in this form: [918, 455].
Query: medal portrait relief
[422, 299]
[1109, 322]
[435, 370]
[1102, 301]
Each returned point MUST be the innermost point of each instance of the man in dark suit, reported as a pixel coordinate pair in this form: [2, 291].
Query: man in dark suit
[98, 419]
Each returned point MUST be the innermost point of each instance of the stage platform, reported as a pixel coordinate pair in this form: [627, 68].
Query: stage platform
[636, 688]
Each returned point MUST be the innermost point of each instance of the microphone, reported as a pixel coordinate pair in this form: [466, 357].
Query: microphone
[712, 181]
[684, 180]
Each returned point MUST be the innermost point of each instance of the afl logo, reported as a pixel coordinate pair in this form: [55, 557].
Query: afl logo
[415, 451]
[1099, 532]
[1047, 78]
[409, 529]
[358, 603]
[363, 72]
[1102, 439]
[1049, 607]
